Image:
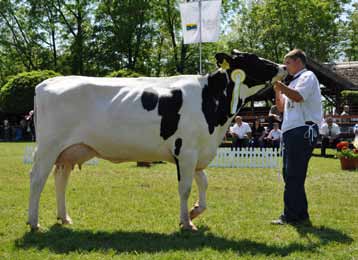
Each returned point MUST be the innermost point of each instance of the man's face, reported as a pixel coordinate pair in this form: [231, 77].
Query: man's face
[293, 65]
[329, 122]
[238, 120]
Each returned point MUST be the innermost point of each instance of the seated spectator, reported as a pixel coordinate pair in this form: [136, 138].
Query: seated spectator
[330, 135]
[345, 112]
[275, 136]
[274, 116]
[241, 133]
[258, 134]
[355, 131]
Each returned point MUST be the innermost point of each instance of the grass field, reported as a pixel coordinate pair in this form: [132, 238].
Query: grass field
[124, 212]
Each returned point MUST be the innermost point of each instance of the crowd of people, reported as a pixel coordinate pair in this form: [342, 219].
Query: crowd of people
[21, 130]
[257, 135]
[268, 134]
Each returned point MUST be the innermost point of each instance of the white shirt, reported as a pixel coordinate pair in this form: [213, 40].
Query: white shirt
[241, 130]
[325, 130]
[275, 134]
[295, 114]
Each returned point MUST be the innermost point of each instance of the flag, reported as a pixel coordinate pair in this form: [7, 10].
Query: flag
[210, 21]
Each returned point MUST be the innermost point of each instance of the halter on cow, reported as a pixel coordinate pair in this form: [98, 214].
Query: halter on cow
[179, 119]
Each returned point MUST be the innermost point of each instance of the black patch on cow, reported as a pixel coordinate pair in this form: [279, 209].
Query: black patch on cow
[178, 143]
[149, 99]
[169, 106]
[215, 102]
[258, 71]
[178, 169]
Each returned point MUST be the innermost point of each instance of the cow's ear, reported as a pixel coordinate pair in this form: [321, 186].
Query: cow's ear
[223, 60]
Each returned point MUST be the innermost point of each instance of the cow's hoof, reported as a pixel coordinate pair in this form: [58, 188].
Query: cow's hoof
[34, 228]
[189, 227]
[196, 211]
[65, 221]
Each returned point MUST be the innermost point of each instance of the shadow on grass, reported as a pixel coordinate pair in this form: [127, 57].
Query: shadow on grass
[59, 239]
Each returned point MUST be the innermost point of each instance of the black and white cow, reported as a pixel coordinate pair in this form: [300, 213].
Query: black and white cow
[179, 119]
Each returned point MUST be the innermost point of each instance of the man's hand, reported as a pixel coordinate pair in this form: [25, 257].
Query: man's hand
[278, 86]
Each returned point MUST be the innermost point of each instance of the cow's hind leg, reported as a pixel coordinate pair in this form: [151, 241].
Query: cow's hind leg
[202, 183]
[61, 175]
[185, 166]
[43, 164]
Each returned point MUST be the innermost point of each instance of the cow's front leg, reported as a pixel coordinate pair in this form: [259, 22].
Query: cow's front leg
[185, 166]
[62, 174]
[202, 183]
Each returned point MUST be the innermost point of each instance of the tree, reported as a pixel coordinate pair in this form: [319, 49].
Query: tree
[272, 27]
[352, 32]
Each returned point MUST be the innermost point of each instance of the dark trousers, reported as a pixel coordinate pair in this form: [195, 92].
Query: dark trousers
[239, 143]
[297, 151]
[326, 144]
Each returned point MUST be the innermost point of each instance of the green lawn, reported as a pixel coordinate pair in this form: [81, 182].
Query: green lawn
[124, 212]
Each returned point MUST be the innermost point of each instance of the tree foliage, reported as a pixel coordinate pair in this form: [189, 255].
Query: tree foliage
[17, 95]
[272, 27]
[97, 37]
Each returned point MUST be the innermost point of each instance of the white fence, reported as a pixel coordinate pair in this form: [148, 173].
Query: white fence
[29, 156]
[247, 158]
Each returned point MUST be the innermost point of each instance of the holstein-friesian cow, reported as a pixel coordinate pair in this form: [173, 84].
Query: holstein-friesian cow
[180, 119]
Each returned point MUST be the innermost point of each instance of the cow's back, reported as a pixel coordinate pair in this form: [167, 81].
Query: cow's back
[108, 114]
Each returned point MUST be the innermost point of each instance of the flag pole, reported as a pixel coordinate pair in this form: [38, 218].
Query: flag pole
[200, 63]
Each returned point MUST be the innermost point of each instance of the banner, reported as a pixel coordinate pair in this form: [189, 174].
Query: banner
[210, 21]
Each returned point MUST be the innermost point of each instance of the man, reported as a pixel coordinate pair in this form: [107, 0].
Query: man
[330, 135]
[275, 135]
[345, 112]
[241, 133]
[274, 116]
[300, 103]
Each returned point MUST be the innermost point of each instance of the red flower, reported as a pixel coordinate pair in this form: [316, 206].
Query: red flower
[342, 145]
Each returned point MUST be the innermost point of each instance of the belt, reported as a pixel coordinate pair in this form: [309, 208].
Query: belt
[309, 123]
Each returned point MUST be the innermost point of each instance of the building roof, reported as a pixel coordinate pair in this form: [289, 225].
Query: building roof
[348, 70]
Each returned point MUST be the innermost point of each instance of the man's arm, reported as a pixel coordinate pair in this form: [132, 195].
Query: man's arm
[289, 92]
[279, 99]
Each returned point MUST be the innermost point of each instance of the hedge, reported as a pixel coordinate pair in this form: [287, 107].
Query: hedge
[350, 97]
[17, 95]
[124, 73]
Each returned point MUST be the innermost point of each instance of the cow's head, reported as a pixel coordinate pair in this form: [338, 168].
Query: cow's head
[240, 76]
[248, 74]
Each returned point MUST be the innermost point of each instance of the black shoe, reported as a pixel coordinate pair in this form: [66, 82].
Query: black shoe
[303, 223]
[283, 221]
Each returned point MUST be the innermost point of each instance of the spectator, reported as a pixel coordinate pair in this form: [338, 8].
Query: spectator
[355, 131]
[275, 136]
[7, 130]
[274, 116]
[258, 134]
[31, 125]
[330, 135]
[345, 113]
[241, 133]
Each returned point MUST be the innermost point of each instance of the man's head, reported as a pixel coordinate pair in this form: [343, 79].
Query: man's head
[295, 61]
[238, 120]
[346, 108]
[275, 125]
[329, 121]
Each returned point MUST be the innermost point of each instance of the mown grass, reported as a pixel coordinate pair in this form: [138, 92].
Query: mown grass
[124, 212]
